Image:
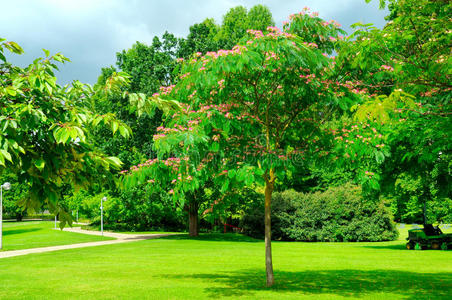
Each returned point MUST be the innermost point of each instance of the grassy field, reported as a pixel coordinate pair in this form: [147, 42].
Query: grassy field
[34, 234]
[229, 266]
[97, 228]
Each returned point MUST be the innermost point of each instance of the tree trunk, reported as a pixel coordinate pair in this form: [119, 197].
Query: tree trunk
[268, 233]
[193, 228]
[19, 216]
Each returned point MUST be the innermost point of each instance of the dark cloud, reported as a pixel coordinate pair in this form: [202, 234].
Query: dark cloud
[90, 32]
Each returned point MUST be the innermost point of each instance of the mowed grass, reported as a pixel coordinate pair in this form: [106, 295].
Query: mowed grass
[34, 234]
[97, 228]
[229, 266]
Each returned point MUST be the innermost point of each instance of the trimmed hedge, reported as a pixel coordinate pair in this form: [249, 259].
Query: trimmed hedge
[339, 214]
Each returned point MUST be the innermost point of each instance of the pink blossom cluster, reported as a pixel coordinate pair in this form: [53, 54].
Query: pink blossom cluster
[370, 174]
[237, 49]
[192, 95]
[257, 33]
[305, 11]
[274, 32]
[313, 45]
[221, 84]
[350, 138]
[308, 77]
[165, 90]
[386, 68]
[271, 55]
[158, 136]
[223, 172]
[182, 76]
[334, 23]
[177, 128]
[359, 91]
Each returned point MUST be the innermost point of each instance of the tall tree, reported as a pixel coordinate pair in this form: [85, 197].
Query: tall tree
[241, 115]
[201, 38]
[238, 20]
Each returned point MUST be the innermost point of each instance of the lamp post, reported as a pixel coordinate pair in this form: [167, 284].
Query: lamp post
[5, 186]
[102, 200]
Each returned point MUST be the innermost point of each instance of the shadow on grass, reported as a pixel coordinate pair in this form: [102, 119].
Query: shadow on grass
[391, 247]
[346, 283]
[19, 231]
[216, 237]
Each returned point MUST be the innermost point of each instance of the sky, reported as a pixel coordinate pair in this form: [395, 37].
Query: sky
[91, 32]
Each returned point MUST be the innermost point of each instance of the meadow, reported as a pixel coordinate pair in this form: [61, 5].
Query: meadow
[229, 266]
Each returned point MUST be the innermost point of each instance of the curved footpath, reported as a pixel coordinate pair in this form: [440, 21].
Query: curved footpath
[119, 238]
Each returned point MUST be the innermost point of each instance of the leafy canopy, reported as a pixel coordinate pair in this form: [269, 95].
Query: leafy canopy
[45, 135]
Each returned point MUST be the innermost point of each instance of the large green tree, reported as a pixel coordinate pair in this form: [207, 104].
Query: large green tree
[201, 38]
[406, 66]
[238, 20]
[45, 136]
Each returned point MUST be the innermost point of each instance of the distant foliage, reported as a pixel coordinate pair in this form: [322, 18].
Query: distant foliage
[135, 210]
[129, 210]
[11, 208]
[339, 214]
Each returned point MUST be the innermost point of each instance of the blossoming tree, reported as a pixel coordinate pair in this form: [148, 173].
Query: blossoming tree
[247, 115]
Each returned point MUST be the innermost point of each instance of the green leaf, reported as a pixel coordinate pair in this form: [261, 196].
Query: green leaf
[114, 126]
[114, 161]
[225, 186]
[11, 91]
[249, 180]
[40, 163]
[214, 147]
[379, 157]
[124, 131]
[6, 155]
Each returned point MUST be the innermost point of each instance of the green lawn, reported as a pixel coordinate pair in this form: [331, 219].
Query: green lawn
[97, 228]
[34, 234]
[229, 266]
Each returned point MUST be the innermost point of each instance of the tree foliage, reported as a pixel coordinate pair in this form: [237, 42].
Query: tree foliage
[243, 114]
[46, 130]
[406, 69]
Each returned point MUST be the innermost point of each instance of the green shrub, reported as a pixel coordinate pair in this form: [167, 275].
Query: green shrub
[136, 210]
[339, 214]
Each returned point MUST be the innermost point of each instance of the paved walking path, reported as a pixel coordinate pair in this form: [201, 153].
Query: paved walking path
[119, 238]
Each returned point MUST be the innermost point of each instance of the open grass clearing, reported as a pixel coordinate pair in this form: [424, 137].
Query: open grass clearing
[35, 234]
[229, 266]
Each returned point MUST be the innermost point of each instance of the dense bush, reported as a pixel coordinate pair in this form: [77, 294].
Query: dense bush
[337, 215]
[137, 210]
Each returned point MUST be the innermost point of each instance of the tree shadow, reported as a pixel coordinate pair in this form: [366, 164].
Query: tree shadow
[391, 247]
[216, 237]
[19, 231]
[345, 283]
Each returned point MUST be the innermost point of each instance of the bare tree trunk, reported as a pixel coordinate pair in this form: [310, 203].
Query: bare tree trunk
[268, 233]
[193, 228]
